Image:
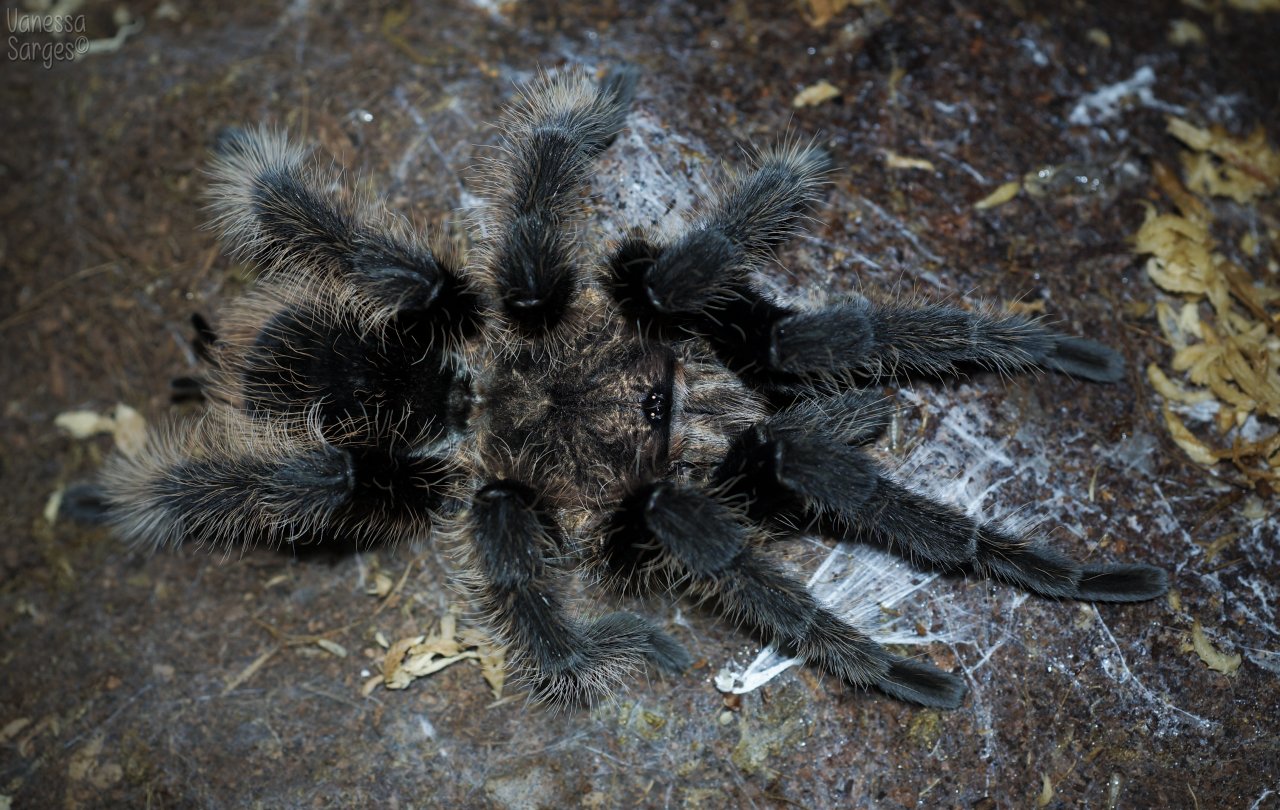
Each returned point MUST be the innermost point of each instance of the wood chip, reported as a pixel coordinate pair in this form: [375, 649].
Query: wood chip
[1185, 32]
[1220, 165]
[895, 161]
[815, 94]
[1046, 791]
[822, 12]
[1175, 392]
[13, 728]
[126, 425]
[1000, 196]
[52, 506]
[380, 585]
[248, 672]
[1213, 658]
[332, 647]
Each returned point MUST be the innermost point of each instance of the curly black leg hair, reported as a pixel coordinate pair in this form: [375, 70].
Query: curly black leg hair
[700, 283]
[885, 340]
[680, 282]
[513, 543]
[783, 467]
[709, 551]
[399, 307]
[857, 417]
[271, 210]
[321, 495]
[300, 350]
[551, 143]
[772, 346]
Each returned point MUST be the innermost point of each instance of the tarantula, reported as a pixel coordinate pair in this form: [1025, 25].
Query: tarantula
[649, 418]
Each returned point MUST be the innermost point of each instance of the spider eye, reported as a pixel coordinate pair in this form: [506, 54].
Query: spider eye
[657, 407]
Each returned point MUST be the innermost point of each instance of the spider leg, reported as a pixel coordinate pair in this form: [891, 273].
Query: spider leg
[700, 283]
[566, 122]
[513, 544]
[882, 340]
[186, 389]
[229, 481]
[759, 211]
[783, 468]
[276, 211]
[852, 416]
[772, 345]
[205, 346]
[393, 386]
[710, 549]
[205, 343]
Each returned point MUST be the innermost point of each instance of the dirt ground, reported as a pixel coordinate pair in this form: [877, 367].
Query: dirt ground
[184, 678]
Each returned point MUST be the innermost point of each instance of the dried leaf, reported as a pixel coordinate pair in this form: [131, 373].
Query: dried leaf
[392, 661]
[425, 663]
[418, 656]
[1225, 340]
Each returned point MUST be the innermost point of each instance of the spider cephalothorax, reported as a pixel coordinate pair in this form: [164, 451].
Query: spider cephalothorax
[648, 416]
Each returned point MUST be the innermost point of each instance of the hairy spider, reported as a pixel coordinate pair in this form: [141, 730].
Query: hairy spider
[654, 422]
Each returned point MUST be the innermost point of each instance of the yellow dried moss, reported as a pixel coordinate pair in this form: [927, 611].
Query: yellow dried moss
[1225, 334]
[1222, 166]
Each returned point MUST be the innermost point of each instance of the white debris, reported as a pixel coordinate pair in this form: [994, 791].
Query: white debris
[1109, 102]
